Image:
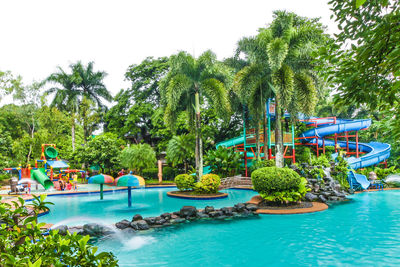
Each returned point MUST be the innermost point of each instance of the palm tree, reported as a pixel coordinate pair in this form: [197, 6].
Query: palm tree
[180, 150]
[189, 83]
[83, 82]
[281, 58]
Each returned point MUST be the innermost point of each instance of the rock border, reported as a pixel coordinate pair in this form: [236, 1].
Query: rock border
[177, 194]
[316, 206]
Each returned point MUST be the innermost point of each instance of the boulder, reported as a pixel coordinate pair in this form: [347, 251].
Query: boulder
[166, 216]
[208, 209]
[161, 221]
[251, 207]
[188, 211]
[128, 231]
[322, 198]
[202, 215]
[94, 229]
[311, 197]
[178, 220]
[62, 229]
[215, 213]
[122, 224]
[134, 226]
[76, 229]
[137, 217]
[150, 220]
[173, 216]
[240, 207]
[142, 225]
[227, 211]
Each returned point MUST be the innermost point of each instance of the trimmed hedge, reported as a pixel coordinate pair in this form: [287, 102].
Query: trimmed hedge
[185, 182]
[169, 173]
[209, 183]
[279, 184]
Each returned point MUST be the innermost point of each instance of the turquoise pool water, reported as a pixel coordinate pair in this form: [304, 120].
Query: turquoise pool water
[364, 232]
[79, 209]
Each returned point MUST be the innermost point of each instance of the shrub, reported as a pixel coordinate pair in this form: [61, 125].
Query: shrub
[185, 182]
[262, 164]
[208, 184]
[322, 161]
[223, 161]
[340, 172]
[22, 242]
[150, 173]
[279, 184]
[169, 173]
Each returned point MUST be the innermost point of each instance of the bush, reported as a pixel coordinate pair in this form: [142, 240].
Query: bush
[223, 161]
[262, 164]
[322, 161]
[151, 173]
[279, 184]
[209, 183]
[185, 182]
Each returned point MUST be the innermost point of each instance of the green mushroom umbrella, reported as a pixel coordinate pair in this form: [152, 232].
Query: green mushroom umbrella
[129, 180]
[101, 179]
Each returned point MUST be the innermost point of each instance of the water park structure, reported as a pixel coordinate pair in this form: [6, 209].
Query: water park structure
[48, 170]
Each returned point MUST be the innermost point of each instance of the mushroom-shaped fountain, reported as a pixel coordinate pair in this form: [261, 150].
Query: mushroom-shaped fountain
[101, 179]
[129, 180]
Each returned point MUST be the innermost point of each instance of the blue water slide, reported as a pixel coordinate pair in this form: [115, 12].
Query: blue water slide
[375, 152]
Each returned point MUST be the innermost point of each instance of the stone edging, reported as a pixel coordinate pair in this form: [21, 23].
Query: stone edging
[316, 206]
[176, 194]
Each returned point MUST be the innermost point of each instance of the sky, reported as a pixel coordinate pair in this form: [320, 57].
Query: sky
[37, 36]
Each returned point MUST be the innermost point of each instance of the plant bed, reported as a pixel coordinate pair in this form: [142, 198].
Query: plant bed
[279, 206]
[196, 195]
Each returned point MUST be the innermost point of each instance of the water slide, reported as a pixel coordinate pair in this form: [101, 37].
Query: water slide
[375, 152]
[41, 178]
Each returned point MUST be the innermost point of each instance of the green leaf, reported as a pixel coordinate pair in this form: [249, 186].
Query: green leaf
[359, 3]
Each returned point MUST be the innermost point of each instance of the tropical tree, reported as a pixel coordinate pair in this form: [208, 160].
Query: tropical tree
[180, 149]
[138, 157]
[285, 69]
[189, 83]
[82, 82]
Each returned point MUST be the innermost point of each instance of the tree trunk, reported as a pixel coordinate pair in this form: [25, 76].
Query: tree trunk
[278, 133]
[73, 133]
[199, 145]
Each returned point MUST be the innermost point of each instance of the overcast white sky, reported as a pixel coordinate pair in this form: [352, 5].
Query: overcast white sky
[37, 36]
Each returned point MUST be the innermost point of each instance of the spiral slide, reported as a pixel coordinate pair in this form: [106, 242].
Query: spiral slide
[375, 152]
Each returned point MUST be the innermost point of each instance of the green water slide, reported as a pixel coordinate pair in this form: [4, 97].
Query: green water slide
[41, 178]
[51, 152]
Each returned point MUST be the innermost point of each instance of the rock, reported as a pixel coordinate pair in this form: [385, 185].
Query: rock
[322, 198]
[173, 216]
[246, 212]
[161, 221]
[215, 213]
[178, 220]
[142, 225]
[314, 181]
[134, 226]
[77, 230]
[123, 224]
[202, 215]
[62, 229]
[208, 209]
[166, 216]
[326, 193]
[94, 229]
[137, 217]
[240, 207]
[188, 211]
[332, 198]
[316, 187]
[222, 217]
[227, 211]
[176, 213]
[251, 207]
[311, 197]
[340, 194]
[150, 220]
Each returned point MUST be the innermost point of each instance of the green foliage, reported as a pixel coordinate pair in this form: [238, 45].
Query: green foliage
[168, 173]
[208, 184]
[185, 182]
[138, 157]
[180, 149]
[103, 150]
[150, 173]
[303, 154]
[22, 242]
[223, 161]
[381, 173]
[261, 164]
[340, 172]
[322, 161]
[281, 185]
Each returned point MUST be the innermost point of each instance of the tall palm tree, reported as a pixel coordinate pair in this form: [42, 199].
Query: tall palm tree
[189, 83]
[281, 57]
[83, 82]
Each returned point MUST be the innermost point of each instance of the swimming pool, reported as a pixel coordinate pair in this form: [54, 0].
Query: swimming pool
[364, 232]
[79, 209]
